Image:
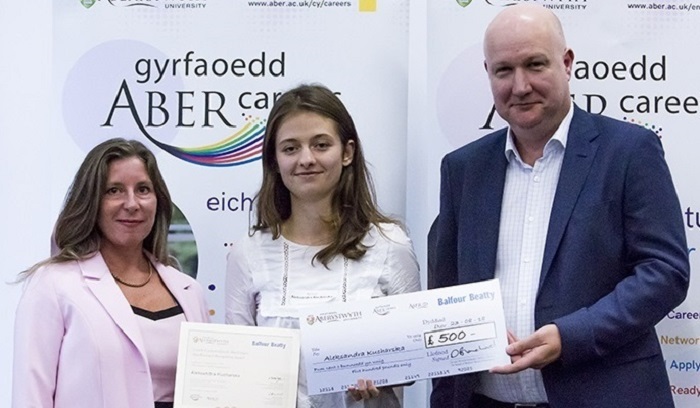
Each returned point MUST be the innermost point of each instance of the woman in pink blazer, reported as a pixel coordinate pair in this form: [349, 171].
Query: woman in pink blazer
[98, 322]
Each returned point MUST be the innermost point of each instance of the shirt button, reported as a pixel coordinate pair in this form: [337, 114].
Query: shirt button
[530, 219]
[536, 179]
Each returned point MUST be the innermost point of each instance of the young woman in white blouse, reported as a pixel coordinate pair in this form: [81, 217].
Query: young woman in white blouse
[319, 236]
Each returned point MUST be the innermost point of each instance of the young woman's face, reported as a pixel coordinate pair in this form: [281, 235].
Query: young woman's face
[311, 156]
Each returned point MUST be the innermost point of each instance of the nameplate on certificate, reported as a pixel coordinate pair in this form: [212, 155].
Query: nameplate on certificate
[222, 365]
[403, 338]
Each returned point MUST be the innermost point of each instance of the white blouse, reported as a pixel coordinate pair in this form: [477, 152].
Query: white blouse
[268, 280]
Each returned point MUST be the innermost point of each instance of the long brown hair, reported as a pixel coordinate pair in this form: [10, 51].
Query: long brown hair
[354, 206]
[77, 234]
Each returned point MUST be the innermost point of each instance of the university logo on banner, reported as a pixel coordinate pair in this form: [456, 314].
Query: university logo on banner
[87, 3]
[464, 3]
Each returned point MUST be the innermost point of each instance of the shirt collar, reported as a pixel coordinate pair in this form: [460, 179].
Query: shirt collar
[560, 136]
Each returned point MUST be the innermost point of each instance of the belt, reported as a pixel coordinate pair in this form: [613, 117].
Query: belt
[482, 401]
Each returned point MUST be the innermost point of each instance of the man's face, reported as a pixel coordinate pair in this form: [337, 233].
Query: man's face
[529, 71]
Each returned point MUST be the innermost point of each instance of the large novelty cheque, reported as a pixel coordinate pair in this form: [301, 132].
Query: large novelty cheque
[403, 338]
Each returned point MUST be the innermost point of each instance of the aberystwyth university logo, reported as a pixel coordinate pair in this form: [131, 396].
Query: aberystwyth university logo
[464, 3]
[167, 4]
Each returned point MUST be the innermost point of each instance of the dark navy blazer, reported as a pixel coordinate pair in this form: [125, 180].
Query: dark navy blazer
[615, 259]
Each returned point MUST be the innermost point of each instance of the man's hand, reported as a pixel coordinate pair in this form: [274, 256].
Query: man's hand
[536, 351]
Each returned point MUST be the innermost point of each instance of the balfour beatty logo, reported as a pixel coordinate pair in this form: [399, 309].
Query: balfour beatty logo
[461, 299]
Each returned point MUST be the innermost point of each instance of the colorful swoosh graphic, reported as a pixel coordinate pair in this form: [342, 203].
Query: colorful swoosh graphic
[244, 146]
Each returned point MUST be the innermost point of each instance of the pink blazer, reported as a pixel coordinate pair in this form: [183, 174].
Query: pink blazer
[77, 341]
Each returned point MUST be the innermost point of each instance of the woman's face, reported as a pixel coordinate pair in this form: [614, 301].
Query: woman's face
[128, 205]
[311, 156]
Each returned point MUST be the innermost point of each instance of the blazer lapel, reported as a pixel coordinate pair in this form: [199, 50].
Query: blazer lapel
[102, 285]
[489, 193]
[581, 147]
[179, 287]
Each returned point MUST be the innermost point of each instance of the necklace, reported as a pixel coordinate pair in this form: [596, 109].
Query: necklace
[137, 285]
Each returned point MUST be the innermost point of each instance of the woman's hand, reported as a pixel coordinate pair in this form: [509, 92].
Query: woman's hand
[364, 390]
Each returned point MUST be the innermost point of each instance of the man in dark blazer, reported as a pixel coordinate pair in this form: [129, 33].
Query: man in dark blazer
[577, 216]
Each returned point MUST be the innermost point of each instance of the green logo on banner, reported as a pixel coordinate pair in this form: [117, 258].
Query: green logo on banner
[464, 3]
[90, 3]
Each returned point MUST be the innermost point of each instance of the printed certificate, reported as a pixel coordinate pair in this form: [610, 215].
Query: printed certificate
[222, 365]
[403, 338]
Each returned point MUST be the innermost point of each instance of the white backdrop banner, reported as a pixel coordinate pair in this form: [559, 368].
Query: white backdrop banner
[195, 79]
[632, 62]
